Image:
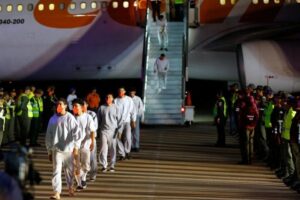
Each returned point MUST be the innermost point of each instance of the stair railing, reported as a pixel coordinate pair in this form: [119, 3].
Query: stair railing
[145, 53]
[185, 40]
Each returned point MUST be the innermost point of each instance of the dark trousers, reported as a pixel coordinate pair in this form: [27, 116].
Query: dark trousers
[34, 130]
[179, 12]
[221, 131]
[249, 144]
[9, 130]
[23, 128]
[155, 9]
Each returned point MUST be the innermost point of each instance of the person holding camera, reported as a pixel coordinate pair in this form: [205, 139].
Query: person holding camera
[63, 139]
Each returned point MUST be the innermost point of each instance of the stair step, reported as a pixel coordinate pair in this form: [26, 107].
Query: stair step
[162, 106]
[162, 111]
[164, 101]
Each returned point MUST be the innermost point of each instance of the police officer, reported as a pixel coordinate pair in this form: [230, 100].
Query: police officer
[36, 118]
[24, 115]
[220, 114]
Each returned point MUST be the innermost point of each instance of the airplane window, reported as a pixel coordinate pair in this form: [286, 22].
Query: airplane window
[9, 8]
[62, 6]
[276, 1]
[135, 3]
[115, 4]
[93, 5]
[298, 1]
[83, 5]
[0, 8]
[41, 7]
[20, 7]
[233, 2]
[125, 4]
[266, 1]
[73, 6]
[103, 4]
[51, 6]
[255, 1]
[222, 2]
[30, 7]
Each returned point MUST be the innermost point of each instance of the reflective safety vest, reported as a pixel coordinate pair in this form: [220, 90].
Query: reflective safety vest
[7, 114]
[215, 110]
[225, 106]
[268, 112]
[179, 1]
[35, 107]
[29, 107]
[287, 123]
[41, 104]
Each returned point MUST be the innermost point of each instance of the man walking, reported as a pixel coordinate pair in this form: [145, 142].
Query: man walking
[161, 67]
[63, 140]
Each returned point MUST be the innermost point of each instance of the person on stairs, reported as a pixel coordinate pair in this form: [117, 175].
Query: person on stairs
[161, 67]
[162, 33]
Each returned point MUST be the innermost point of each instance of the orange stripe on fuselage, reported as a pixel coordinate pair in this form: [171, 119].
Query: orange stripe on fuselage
[62, 18]
[262, 12]
[211, 11]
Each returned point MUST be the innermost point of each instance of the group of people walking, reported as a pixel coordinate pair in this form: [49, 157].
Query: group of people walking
[267, 125]
[74, 128]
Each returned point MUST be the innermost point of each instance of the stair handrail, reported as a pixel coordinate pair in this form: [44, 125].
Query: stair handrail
[185, 40]
[145, 53]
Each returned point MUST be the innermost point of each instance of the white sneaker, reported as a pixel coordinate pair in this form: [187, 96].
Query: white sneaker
[104, 169]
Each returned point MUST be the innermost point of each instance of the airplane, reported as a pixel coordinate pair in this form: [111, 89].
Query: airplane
[251, 41]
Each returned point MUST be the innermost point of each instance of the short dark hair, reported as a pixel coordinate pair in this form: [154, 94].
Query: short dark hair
[78, 101]
[62, 100]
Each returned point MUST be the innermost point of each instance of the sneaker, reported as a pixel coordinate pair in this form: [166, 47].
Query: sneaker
[93, 179]
[128, 156]
[104, 169]
[121, 158]
[84, 185]
[112, 169]
[55, 196]
[79, 188]
[135, 150]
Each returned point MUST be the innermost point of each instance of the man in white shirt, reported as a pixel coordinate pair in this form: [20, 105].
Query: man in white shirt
[109, 122]
[70, 98]
[87, 128]
[139, 109]
[93, 164]
[127, 121]
[63, 139]
[162, 33]
[161, 67]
